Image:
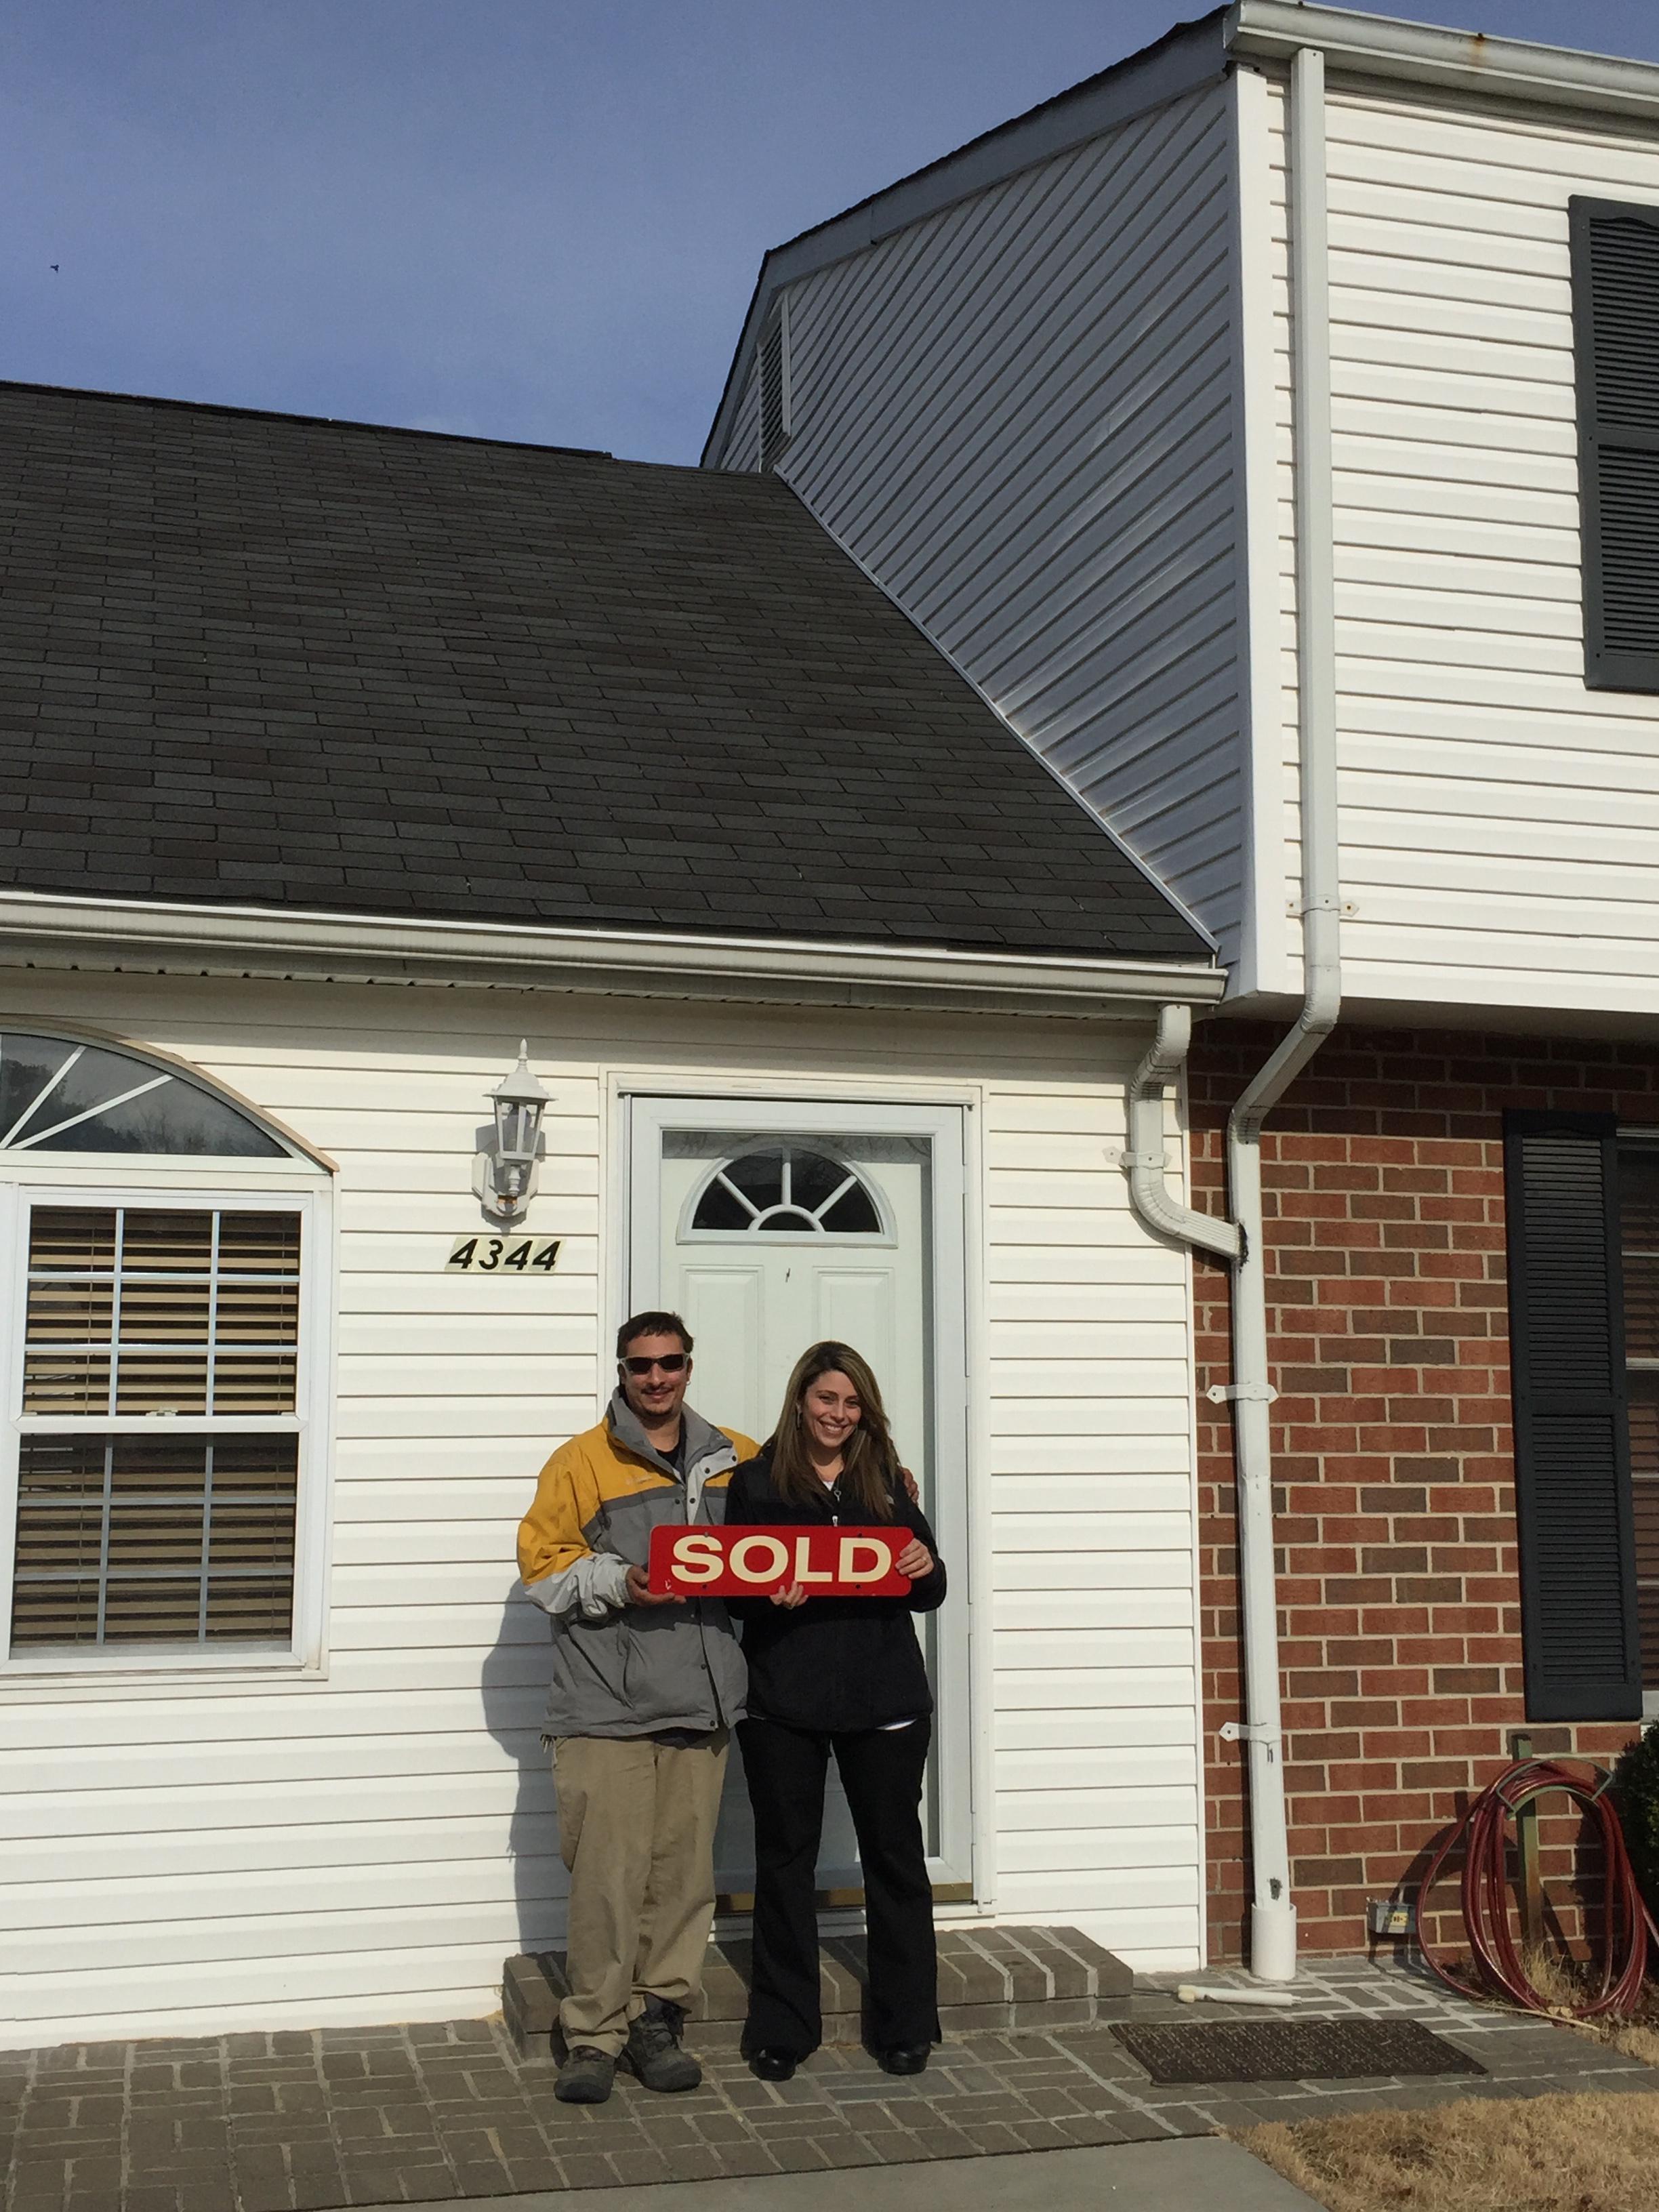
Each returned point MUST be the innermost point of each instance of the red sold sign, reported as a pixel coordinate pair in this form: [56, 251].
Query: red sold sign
[749, 1562]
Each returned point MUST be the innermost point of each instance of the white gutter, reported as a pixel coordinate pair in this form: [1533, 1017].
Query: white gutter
[1468, 63]
[39, 929]
[1272, 1914]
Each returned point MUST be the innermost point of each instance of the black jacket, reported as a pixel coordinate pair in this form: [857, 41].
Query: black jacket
[834, 1664]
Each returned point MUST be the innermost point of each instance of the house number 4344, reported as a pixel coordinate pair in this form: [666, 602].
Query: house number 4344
[510, 1255]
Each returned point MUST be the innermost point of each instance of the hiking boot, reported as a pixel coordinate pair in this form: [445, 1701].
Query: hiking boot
[586, 2076]
[654, 2048]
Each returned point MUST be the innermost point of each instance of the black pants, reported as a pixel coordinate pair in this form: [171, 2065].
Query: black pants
[881, 1772]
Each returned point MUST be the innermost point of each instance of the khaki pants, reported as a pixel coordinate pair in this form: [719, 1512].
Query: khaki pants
[636, 1829]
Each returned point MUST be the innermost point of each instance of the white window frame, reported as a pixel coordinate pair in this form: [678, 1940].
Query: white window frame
[196, 1184]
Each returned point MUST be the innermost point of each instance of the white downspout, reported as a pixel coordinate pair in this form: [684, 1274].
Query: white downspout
[1272, 1916]
[1146, 1161]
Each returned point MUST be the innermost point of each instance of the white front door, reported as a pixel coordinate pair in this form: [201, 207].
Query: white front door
[769, 1226]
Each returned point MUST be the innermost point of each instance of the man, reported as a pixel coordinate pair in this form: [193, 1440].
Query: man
[644, 1692]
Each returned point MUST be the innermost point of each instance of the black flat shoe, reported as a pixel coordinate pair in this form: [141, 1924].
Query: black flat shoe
[772, 2065]
[905, 2059]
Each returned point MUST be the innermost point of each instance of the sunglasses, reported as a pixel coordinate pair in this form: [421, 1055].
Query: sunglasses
[674, 1363]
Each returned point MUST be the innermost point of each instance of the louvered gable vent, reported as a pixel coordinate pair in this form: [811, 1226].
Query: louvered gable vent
[1615, 289]
[774, 385]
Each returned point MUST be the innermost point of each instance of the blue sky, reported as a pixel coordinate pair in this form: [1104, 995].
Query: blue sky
[535, 219]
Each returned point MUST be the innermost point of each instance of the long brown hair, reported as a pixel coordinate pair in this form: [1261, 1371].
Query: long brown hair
[869, 1462]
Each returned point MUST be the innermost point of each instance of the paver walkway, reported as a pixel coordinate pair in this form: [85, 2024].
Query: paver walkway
[297, 2122]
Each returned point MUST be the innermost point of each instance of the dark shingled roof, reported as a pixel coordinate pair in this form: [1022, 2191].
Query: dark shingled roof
[272, 660]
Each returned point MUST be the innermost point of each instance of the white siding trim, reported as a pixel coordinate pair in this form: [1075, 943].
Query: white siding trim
[1263, 961]
[1017, 735]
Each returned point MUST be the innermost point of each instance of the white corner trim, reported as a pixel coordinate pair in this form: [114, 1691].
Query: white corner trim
[1263, 951]
[42, 929]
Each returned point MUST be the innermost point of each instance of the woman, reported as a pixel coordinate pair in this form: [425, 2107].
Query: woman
[842, 1675]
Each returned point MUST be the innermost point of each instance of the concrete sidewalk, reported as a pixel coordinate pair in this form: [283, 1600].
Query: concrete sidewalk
[1192, 2175]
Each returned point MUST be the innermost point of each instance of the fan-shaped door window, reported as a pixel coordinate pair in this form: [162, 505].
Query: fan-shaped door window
[788, 1189]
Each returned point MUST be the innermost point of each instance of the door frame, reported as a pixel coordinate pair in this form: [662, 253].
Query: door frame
[943, 1123]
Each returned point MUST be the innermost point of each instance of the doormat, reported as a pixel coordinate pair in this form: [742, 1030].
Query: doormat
[1292, 2051]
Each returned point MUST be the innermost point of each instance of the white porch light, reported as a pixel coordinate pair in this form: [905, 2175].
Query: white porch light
[504, 1171]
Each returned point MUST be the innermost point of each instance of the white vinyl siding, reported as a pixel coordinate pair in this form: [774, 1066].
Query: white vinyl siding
[743, 447]
[1017, 413]
[1499, 821]
[369, 1845]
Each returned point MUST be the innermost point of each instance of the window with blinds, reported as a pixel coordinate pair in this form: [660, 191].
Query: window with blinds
[159, 1461]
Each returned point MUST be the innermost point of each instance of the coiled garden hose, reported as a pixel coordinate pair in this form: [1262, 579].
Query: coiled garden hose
[1626, 1925]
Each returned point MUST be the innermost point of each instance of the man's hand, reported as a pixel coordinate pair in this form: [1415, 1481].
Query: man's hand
[909, 1482]
[639, 1591]
[790, 1595]
[914, 1560]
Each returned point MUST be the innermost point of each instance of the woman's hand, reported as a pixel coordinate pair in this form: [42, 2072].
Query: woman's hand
[914, 1560]
[789, 1594]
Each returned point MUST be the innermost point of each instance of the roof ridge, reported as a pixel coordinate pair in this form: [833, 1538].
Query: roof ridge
[321, 421]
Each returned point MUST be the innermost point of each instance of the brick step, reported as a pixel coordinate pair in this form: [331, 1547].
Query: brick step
[1016, 1978]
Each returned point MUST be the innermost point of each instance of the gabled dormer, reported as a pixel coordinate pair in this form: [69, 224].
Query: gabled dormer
[1045, 390]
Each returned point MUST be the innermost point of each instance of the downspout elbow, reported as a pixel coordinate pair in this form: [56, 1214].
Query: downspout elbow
[1146, 1161]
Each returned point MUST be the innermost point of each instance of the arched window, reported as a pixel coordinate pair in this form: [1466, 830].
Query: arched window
[62, 1096]
[159, 1466]
[790, 1189]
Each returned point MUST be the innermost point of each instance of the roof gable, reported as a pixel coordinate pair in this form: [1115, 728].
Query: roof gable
[1364, 47]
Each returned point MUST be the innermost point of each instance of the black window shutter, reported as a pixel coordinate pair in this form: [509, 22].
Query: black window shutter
[1572, 1430]
[1615, 317]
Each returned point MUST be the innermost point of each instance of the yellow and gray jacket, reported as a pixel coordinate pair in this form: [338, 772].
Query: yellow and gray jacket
[622, 1669]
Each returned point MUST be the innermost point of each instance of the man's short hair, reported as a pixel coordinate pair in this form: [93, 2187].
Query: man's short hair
[652, 1324]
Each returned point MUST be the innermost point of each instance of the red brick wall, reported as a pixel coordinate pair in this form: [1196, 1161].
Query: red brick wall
[1399, 1597]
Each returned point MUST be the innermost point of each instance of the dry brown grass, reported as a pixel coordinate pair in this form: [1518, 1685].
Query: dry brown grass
[1636, 2039]
[1561, 1982]
[1567, 1982]
[1589, 2153]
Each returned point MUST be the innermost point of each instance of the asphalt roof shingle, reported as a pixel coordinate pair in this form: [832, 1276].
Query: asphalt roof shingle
[269, 660]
